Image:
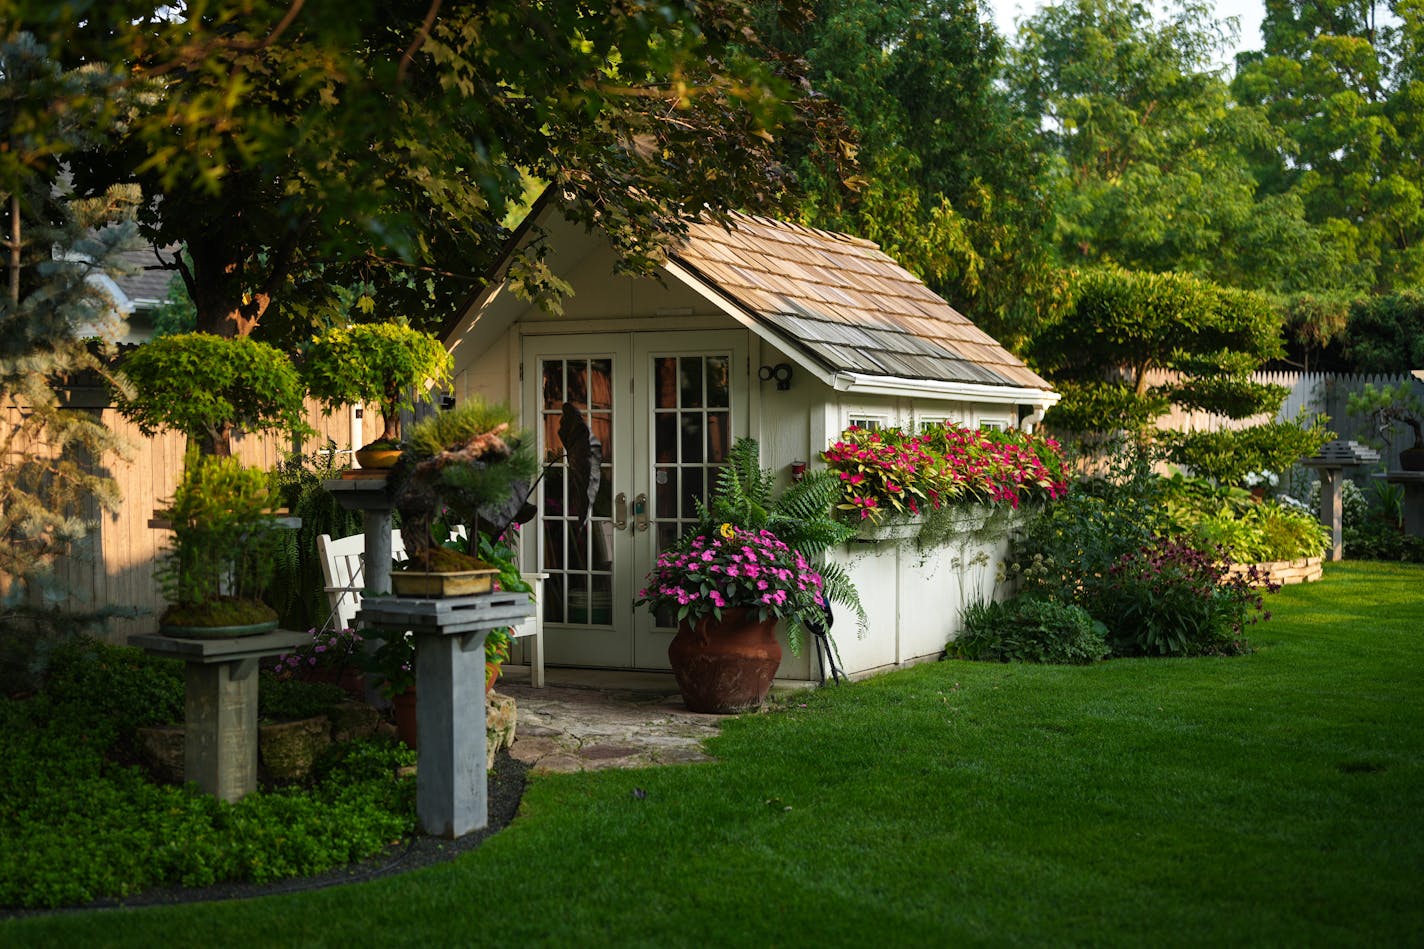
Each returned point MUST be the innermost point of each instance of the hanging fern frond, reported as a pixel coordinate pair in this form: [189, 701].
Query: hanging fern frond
[801, 517]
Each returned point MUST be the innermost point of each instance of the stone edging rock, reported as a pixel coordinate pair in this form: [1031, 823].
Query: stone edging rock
[1284, 572]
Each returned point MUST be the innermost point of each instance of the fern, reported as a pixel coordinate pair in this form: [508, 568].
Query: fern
[800, 517]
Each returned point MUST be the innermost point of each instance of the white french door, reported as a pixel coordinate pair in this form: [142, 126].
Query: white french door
[666, 408]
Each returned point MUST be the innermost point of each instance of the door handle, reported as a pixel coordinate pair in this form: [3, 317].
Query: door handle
[620, 511]
[640, 513]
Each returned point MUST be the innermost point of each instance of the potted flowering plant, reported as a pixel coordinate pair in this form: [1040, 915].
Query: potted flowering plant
[727, 589]
[332, 656]
[393, 663]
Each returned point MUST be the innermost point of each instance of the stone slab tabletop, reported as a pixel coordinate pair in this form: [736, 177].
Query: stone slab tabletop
[206, 651]
[360, 494]
[1402, 477]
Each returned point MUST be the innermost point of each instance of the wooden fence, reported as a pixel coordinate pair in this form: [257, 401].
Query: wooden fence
[114, 565]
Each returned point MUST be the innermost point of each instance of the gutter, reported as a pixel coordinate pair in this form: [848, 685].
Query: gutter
[860, 382]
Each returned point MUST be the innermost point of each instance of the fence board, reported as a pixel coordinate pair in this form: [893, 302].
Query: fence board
[120, 572]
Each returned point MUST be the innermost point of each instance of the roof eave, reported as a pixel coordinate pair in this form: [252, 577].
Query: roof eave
[864, 383]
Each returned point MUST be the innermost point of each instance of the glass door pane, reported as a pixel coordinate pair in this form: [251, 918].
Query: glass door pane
[576, 520]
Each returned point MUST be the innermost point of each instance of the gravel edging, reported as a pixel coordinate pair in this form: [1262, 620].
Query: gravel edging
[506, 789]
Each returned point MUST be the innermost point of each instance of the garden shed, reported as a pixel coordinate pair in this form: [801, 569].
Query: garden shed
[761, 328]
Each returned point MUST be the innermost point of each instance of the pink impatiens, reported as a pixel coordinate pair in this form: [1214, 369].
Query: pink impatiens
[890, 472]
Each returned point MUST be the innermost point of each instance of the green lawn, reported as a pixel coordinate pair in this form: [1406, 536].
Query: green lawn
[1272, 799]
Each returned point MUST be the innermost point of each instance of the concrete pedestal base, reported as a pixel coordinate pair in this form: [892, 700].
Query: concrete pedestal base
[452, 787]
[220, 743]
[220, 705]
[1413, 484]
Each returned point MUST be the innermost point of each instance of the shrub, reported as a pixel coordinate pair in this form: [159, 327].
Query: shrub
[289, 700]
[78, 827]
[1066, 554]
[107, 692]
[1169, 598]
[297, 589]
[1227, 456]
[1029, 629]
[1248, 530]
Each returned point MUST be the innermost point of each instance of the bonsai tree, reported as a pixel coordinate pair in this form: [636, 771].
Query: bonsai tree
[222, 552]
[388, 363]
[1388, 405]
[467, 465]
[209, 387]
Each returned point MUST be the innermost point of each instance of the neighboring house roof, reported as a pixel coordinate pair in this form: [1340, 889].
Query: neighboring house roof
[144, 288]
[848, 305]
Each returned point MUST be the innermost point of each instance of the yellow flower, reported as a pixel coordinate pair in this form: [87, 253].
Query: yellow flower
[726, 530]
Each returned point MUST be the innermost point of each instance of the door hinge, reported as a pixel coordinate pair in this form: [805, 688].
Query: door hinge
[521, 370]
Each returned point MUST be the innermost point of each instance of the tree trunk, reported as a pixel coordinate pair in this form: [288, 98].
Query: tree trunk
[215, 284]
[15, 249]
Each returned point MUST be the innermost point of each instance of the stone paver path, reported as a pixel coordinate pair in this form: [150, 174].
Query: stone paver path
[566, 729]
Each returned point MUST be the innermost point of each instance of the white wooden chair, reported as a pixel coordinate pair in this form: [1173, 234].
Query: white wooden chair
[341, 563]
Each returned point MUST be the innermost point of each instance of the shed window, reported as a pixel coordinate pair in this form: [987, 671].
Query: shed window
[870, 423]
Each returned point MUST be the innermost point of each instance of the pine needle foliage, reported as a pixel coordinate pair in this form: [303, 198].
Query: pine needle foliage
[801, 516]
[53, 486]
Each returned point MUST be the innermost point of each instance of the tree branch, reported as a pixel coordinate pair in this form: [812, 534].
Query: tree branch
[421, 36]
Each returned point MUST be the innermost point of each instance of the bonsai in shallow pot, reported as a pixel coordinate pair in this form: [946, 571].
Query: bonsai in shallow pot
[1390, 405]
[391, 364]
[466, 466]
[219, 561]
[210, 388]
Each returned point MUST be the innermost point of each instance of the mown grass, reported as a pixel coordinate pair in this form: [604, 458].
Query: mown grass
[1269, 799]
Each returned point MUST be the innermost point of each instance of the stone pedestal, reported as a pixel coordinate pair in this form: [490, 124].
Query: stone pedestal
[1332, 509]
[452, 786]
[370, 496]
[1413, 484]
[220, 705]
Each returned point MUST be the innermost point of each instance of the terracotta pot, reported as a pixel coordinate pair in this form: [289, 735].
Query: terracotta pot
[351, 679]
[403, 707]
[725, 666]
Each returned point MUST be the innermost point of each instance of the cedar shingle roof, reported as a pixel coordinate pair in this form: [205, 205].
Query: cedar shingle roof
[846, 303]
